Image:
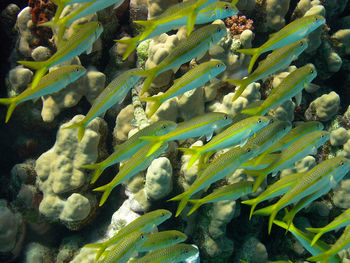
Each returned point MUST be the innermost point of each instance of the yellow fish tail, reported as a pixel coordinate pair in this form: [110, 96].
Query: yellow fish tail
[241, 83]
[191, 21]
[100, 248]
[318, 233]
[130, 43]
[253, 205]
[271, 218]
[81, 129]
[183, 201]
[97, 173]
[156, 100]
[258, 182]
[150, 76]
[33, 64]
[12, 103]
[195, 154]
[106, 189]
[196, 205]
[254, 52]
[323, 258]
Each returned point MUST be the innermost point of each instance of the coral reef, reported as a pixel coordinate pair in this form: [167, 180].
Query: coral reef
[62, 182]
[49, 190]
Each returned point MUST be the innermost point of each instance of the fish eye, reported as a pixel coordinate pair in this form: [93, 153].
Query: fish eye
[341, 163]
[311, 71]
[218, 65]
[322, 136]
[163, 214]
[176, 237]
[316, 19]
[186, 251]
[142, 236]
[301, 43]
[249, 150]
[259, 120]
[226, 7]
[284, 128]
[225, 117]
[271, 121]
[163, 127]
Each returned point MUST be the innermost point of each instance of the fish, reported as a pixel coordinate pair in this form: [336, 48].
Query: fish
[292, 32]
[224, 165]
[196, 44]
[203, 124]
[305, 240]
[238, 133]
[130, 147]
[343, 242]
[173, 254]
[121, 252]
[50, 83]
[194, 78]
[290, 86]
[83, 38]
[94, 7]
[336, 176]
[340, 221]
[269, 135]
[114, 93]
[278, 59]
[280, 187]
[144, 223]
[166, 22]
[314, 180]
[295, 134]
[304, 146]
[135, 164]
[162, 239]
[227, 192]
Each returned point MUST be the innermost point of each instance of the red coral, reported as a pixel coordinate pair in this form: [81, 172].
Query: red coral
[237, 24]
[42, 10]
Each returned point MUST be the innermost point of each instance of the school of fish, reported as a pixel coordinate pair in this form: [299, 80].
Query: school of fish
[259, 144]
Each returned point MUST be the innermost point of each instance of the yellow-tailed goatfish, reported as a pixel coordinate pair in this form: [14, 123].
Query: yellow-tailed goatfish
[224, 165]
[292, 32]
[139, 162]
[130, 147]
[174, 254]
[342, 243]
[144, 223]
[121, 252]
[319, 177]
[195, 45]
[340, 221]
[171, 19]
[114, 93]
[280, 187]
[227, 192]
[344, 167]
[83, 38]
[305, 240]
[294, 83]
[236, 134]
[192, 79]
[304, 146]
[204, 124]
[162, 239]
[295, 134]
[50, 83]
[278, 59]
[269, 135]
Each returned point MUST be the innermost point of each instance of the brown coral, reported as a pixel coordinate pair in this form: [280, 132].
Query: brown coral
[237, 24]
[42, 10]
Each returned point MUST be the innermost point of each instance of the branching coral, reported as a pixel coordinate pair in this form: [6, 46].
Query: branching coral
[237, 24]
